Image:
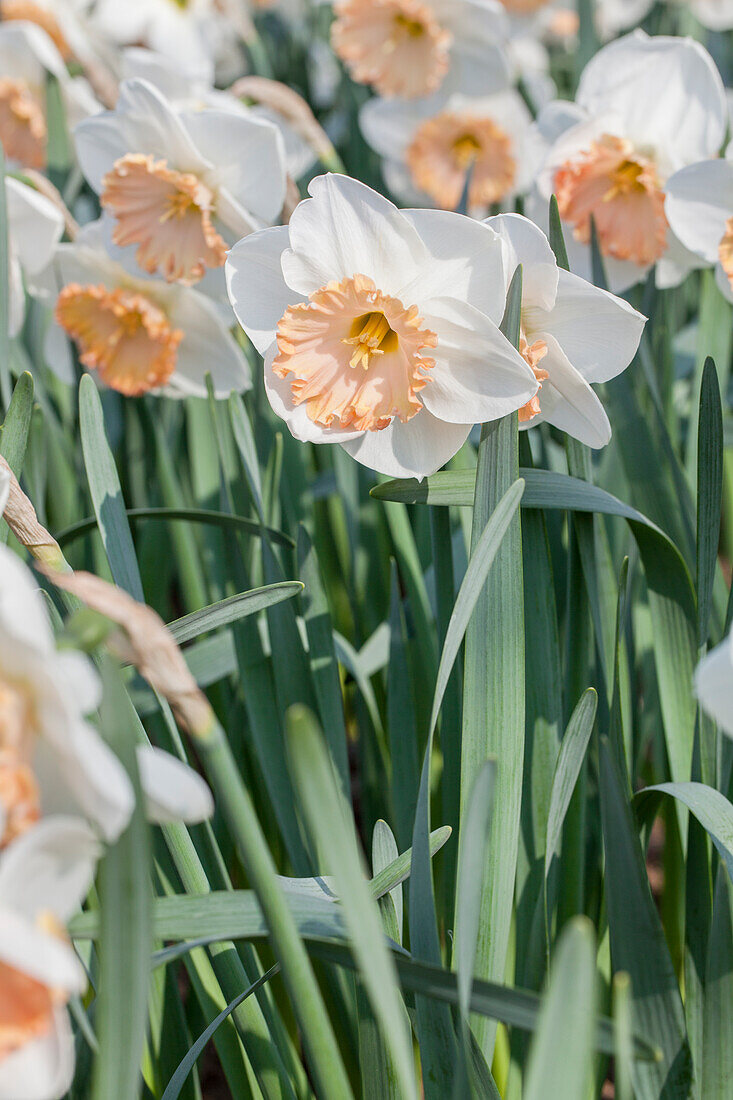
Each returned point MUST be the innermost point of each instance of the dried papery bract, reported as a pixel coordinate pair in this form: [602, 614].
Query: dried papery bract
[145, 642]
[21, 518]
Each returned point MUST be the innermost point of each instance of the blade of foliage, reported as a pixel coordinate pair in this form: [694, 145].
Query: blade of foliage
[232, 609]
[189, 515]
[709, 493]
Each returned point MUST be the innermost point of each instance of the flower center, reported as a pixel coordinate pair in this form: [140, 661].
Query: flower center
[620, 189]
[533, 354]
[168, 214]
[397, 46]
[354, 355]
[120, 333]
[725, 251]
[42, 17]
[445, 146]
[19, 794]
[22, 124]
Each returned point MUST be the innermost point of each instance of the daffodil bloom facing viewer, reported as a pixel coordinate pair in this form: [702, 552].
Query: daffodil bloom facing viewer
[645, 107]
[178, 187]
[368, 323]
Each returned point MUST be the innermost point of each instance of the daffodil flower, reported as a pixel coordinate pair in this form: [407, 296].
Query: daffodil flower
[572, 334]
[429, 145]
[411, 48]
[178, 187]
[27, 58]
[368, 323]
[139, 334]
[51, 758]
[44, 877]
[645, 107]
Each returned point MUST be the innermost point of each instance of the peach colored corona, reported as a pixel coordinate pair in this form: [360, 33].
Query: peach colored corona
[397, 46]
[444, 148]
[725, 251]
[533, 354]
[29, 12]
[19, 795]
[121, 334]
[620, 189]
[168, 214]
[354, 356]
[27, 1005]
[22, 124]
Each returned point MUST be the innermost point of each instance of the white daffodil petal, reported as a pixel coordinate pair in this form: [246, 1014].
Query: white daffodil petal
[23, 614]
[42, 956]
[466, 262]
[478, 375]
[257, 290]
[50, 867]
[347, 229]
[699, 202]
[43, 1068]
[714, 684]
[207, 346]
[526, 244]
[96, 780]
[598, 332]
[568, 402]
[36, 226]
[415, 449]
[173, 791]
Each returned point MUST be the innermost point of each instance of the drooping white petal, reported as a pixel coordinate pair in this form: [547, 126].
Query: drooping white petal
[478, 375]
[466, 261]
[676, 263]
[568, 402]
[257, 290]
[598, 332]
[699, 202]
[527, 245]
[36, 225]
[714, 684]
[415, 449]
[173, 791]
[78, 676]
[50, 867]
[347, 229]
[42, 1069]
[42, 956]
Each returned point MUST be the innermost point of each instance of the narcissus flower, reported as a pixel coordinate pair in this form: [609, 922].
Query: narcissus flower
[44, 877]
[411, 48]
[645, 107]
[28, 58]
[139, 334]
[35, 227]
[572, 334]
[714, 684]
[699, 208]
[430, 144]
[368, 322]
[51, 758]
[178, 187]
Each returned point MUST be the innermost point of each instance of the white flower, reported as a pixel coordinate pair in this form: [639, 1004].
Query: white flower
[178, 187]
[699, 209]
[51, 759]
[197, 32]
[35, 227]
[412, 48]
[44, 877]
[192, 90]
[140, 334]
[27, 58]
[645, 107]
[714, 684]
[572, 334]
[430, 144]
[613, 16]
[367, 319]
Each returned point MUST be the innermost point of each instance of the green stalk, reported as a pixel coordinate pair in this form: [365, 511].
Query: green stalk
[494, 689]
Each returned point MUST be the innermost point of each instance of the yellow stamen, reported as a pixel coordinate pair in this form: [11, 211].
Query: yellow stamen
[368, 341]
